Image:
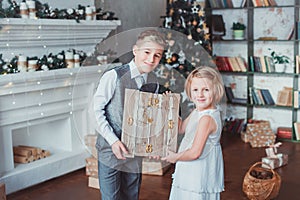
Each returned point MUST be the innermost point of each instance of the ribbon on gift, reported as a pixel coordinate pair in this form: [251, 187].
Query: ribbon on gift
[272, 150]
[280, 158]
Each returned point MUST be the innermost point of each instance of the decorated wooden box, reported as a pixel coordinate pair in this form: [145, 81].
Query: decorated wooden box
[150, 123]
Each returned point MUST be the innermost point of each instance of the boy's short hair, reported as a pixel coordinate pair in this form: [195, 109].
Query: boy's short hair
[211, 74]
[151, 35]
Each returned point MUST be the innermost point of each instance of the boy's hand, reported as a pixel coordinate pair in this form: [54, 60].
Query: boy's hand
[119, 149]
[167, 93]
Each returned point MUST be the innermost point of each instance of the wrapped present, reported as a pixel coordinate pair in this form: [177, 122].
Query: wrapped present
[274, 159]
[245, 137]
[150, 123]
[259, 133]
[90, 142]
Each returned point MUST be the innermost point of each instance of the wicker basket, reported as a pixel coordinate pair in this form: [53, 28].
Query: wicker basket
[261, 189]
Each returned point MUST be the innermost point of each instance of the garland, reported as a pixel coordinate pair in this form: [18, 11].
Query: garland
[44, 63]
[44, 11]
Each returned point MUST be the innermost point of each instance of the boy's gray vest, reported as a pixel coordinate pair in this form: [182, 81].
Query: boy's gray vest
[114, 111]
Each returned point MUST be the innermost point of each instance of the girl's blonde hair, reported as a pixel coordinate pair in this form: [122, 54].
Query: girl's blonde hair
[211, 74]
[151, 35]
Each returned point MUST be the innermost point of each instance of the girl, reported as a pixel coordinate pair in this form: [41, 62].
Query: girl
[199, 170]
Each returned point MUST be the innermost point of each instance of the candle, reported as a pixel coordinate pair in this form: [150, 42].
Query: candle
[76, 61]
[31, 8]
[69, 58]
[88, 13]
[24, 10]
[22, 63]
[32, 65]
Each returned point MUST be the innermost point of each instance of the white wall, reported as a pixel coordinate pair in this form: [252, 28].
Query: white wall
[67, 3]
[135, 13]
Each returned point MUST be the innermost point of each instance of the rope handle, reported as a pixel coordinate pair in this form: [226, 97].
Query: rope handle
[257, 163]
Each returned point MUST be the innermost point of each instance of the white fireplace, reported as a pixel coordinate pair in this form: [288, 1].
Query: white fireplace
[50, 110]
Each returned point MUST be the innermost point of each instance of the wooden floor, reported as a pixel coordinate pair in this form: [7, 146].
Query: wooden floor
[238, 158]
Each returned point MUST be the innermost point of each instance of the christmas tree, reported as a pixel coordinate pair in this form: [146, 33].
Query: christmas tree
[188, 42]
[188, 46]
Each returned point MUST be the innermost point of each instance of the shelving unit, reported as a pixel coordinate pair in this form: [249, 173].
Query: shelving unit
[269, 21]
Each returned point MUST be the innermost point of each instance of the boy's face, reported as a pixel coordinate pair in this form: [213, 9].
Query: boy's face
[147, 56]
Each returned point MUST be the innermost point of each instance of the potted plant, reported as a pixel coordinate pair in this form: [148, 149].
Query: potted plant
[280, 61]
[238, 30]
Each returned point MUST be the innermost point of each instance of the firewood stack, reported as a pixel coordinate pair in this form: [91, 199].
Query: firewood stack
[27, 154]
[91, 168]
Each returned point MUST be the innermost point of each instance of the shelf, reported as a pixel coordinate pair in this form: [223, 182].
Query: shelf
[258, 24]
[47, 34]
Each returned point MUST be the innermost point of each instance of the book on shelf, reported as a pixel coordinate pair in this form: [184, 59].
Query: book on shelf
[266, 3]
[284, 133]
[272, 3]
[263, 64]
[253, 96]
[263, 3]
[297, 67]
[257, 64]
[258, 100]
[291, 33]
[229, 93]
[231, 98]
[267, 97]
[234, 126]
[297, 130]
[296, 99]
[218, 27]
[221, 3]
[241, 63]
[243, 3]
[298, 29]
[284, 97]
[232, 64]
[260, 96]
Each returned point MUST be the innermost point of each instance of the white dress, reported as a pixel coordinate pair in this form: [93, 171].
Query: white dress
[201, 179]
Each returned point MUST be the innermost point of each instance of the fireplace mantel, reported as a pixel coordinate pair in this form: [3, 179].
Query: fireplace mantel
[37, 37]
[50, 110]
[47, 109]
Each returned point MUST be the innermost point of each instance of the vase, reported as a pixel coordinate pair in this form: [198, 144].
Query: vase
[238, 34]
[280, 68]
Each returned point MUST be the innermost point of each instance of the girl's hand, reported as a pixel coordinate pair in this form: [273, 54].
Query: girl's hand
[172, 157]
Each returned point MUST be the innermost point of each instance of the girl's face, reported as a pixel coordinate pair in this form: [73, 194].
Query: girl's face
[202, 93]
[147, 56]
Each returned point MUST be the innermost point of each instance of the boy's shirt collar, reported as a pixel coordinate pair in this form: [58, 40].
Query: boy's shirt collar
[135, 72]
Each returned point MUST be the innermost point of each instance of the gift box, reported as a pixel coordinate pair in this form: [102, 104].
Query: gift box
[274, 159]
[275, 162]
[259, 134]
[150, 123]
[2, 191]
[245, 137]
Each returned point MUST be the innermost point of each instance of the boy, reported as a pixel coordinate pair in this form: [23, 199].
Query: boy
[120, 177]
